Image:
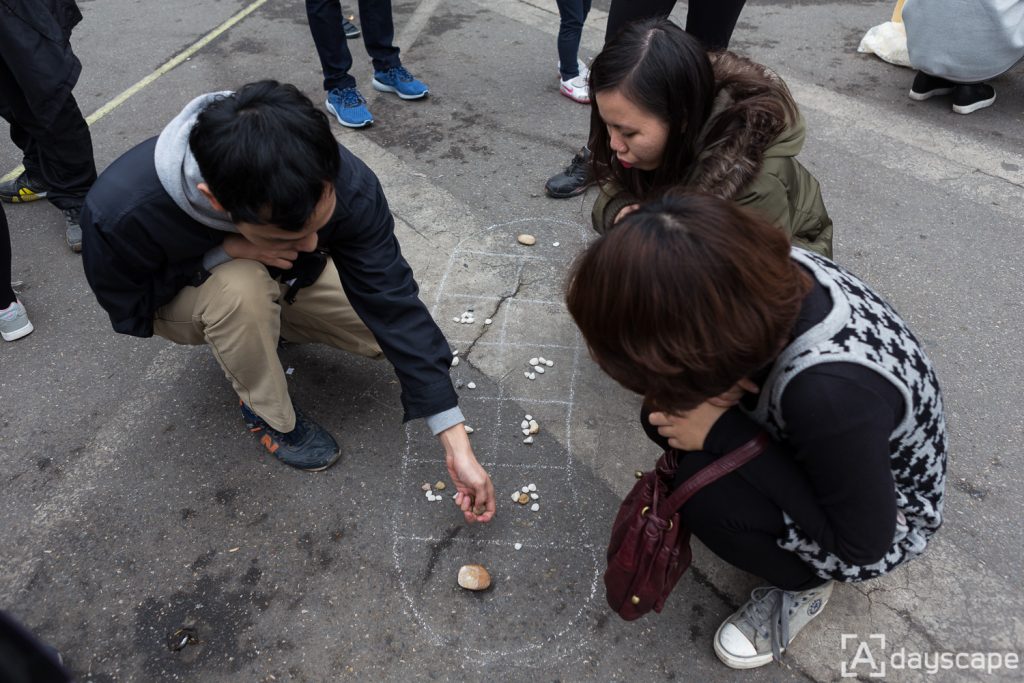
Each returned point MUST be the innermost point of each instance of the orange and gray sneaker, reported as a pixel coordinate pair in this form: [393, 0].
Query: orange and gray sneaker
[22, 189]
[307, 447]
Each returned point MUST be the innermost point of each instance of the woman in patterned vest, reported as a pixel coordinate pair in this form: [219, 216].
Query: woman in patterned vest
[705, 310]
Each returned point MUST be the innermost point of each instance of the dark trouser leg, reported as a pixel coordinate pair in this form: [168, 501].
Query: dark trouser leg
[712, 21]
[60, 155]
[6, 293]
[379, 33]
[741, 525]
[573, 13]
[331, 45]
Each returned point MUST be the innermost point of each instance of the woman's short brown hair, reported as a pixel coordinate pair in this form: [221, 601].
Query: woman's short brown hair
[685, 297]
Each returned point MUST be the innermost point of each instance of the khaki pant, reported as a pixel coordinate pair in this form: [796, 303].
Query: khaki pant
[240, 312]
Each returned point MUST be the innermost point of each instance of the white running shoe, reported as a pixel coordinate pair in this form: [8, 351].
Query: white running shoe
[14, 322]
[576, 89]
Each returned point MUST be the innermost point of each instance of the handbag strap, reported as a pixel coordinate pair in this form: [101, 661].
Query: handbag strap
[719, 468]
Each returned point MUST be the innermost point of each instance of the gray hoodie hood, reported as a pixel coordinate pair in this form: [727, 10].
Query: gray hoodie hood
[177, 168]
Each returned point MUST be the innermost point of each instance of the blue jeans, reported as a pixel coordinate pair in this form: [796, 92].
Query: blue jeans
[573, 14]
[332, 47]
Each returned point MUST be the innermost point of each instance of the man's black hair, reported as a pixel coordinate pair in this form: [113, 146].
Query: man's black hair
[265, 152]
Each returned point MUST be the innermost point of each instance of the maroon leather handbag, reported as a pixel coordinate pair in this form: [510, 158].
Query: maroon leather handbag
[650, 548]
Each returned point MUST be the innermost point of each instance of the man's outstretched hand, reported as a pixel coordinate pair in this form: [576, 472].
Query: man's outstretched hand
[474, 490]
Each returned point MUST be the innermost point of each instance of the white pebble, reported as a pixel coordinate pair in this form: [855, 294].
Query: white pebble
[455, 361]
[532, 487]
[555, 244]
[526, 432]
[518, 546]
[526, 374]
[535, 507]
[457, 320]
[524, 424]
[541, 360]
[532, 375]
[540, 370]
[430, 496]
[550, 363]
[470, 320]
[528, 440]
[525, 489]
[469, 430]
[534, 496]
[455, 352]
[471, 385]
[515, 495]
[528, 417]
[533, 361]
[488, 321]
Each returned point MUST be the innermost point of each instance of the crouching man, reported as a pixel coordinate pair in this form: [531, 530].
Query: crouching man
[244, 222]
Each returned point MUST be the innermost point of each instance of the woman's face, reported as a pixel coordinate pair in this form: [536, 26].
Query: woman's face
[637, 136]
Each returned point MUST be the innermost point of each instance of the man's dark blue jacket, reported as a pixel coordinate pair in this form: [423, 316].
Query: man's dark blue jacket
[140, 249]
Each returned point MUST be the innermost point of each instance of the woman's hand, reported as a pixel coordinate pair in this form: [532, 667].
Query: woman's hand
[474, 490]
[688, 431]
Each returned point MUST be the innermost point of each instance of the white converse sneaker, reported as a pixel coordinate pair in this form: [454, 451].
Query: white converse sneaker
[764, 627]
[576, 89]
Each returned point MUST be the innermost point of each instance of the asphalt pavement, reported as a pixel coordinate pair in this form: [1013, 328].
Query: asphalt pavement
[135, 504]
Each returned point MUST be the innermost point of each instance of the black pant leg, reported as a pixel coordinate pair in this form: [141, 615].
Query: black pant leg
[331, 44]
[378, 26]
[712, 21]
[64, 153]
[6, 292]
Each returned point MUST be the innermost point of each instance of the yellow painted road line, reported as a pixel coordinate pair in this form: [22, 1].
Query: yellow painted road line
[167, 66]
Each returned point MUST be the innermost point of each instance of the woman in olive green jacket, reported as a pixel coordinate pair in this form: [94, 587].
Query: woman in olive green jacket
[669, 117]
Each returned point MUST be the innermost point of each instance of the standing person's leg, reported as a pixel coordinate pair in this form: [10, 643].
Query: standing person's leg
[237, 312]
[343, 98]
[572, 14]
[379, 38]
[712, 21]
[14, 322]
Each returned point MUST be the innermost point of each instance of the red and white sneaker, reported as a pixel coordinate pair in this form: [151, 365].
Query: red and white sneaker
[576, 89]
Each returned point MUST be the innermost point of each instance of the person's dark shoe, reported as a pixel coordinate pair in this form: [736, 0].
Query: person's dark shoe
[308, 447]
[22, 189]
[926, 86]
[72, 230]
[971, 97]
[573, 180]
[350, 29]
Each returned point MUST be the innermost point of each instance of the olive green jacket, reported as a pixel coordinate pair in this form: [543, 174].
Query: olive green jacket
[772, 183]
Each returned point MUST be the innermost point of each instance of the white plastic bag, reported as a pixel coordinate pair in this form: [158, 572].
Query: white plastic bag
[888, 41]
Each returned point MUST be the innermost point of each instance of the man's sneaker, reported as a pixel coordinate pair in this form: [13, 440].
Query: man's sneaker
[576, 89]
[14, 322]
[72, 230]
[926, 86]
[349, 106]
[972, 96]
[573, 180]
[399, 81]
[764, 627]
[22, 189]
[308, 447]
[350, 29]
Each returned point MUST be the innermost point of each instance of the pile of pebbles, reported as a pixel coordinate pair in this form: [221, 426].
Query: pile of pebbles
[466, 318]
[431, 488]
[525, 494]
[538, 365]
[529, 426]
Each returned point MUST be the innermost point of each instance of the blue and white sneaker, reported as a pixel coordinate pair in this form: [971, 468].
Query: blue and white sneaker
[349, 106]
[14, 322]
[399, 81]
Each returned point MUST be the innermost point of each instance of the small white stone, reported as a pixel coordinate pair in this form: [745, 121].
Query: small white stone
[455, 361]
[555, 244]
[526, 432]
[455, 352]
[524, 424]
[528, 417]
[532, 375]
[518, 546]
[528, 240]
[549, 363]
[534, 496]
[471, 385]
[535, 507]
[487, 321]
[438, 497]
[528, 440]
[532, 487]
[469, 430]
[525, 489]
[470, 320]
[533, 361]
[541, 360]
[539, 369]
[534, 427]
[457, 320]
[526, 374]
[430, 496]
[515, 495]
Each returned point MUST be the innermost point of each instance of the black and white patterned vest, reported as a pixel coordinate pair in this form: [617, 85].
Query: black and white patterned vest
[862, 328]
